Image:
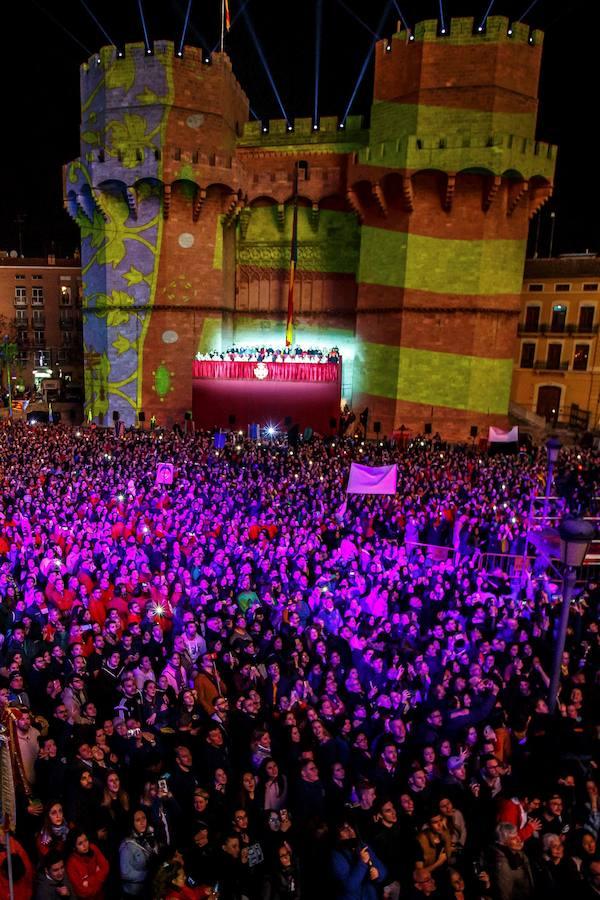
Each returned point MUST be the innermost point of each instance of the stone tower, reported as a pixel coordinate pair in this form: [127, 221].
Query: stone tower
[156, 179]
[445, 190]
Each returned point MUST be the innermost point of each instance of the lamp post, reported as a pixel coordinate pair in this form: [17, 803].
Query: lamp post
[575, 537]
[553, 446]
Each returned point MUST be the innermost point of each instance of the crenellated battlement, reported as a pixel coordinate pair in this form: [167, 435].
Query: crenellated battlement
[495, 154]
[115, 69]
[278, 133]
[190, 57]
[464, 30]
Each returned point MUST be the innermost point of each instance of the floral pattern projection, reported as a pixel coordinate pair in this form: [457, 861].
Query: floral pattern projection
[121, 225]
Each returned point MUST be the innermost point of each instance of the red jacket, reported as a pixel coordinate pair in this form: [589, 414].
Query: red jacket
[24, 886]
[512, 812]
[88, 873]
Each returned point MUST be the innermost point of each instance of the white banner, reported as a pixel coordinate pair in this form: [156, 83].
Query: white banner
[372, 479]
[498, 436]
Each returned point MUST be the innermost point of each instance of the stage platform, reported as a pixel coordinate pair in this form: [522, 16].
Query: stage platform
[266, 393]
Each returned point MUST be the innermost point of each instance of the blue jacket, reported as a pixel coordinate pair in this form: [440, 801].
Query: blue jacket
[352, 875]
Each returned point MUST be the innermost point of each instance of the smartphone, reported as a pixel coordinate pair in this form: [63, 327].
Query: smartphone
[162, 786]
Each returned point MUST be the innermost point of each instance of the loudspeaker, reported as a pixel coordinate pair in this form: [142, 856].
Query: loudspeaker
[474, 431]
[231, 418]
[294, 435]
[115, 415]
[428, 428]
[287, 421]
[188, 416]
[307, 436]
[377, 427]
[333, 422]
[141, 416]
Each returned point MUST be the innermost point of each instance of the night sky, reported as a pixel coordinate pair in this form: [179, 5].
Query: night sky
[39, 74]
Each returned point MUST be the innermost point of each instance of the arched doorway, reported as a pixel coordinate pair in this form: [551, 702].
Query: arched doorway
[548, 402]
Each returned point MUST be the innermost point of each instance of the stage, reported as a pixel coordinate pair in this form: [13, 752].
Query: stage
[266, 393]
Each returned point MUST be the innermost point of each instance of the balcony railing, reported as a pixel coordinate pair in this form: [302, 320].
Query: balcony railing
[547, 366]
[20, 301]
[66, 321]
[524, 328]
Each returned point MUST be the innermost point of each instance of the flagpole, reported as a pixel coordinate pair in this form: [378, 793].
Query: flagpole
[222, 25]
[289, 328]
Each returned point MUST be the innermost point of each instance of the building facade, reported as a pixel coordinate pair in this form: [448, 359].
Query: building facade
[557, 369]
[411, 233]
[40, 310]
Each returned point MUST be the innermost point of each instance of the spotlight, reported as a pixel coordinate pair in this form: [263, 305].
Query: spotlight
[342, 125]
[158, 610]
[388, 48]
[531, 40]
[443, 31]
[179, 53]
[265, 129]
[480, 29]
[271, 430]
[120, 498]
[290, 127]
[98, 60]
[509, 32]
[411, 37]
[119, 53]
[207, 59]
[315, 127]
[148, 51]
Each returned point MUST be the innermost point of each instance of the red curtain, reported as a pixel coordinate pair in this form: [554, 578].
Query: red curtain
[225, 369]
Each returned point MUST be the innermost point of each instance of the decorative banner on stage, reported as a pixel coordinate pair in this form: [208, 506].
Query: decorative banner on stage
[498, 436]
[372, 479]
[165, 473]
[219, 440]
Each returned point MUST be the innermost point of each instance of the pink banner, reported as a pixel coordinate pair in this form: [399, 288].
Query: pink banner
[255, 371]
[372, 479]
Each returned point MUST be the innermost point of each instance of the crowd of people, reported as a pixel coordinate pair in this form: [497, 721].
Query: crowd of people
[271, 354]
[248, 684]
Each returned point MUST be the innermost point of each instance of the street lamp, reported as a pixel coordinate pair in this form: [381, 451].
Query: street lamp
[553, 446]
[575, 537]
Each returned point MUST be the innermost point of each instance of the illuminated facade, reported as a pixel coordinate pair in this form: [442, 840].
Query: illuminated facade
[411, 233]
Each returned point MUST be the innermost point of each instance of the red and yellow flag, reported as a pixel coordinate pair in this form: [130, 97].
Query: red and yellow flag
[289, 329]
[227, 16]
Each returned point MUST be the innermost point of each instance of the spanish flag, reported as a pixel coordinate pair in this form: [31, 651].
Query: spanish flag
[289, 330]
[227, 16]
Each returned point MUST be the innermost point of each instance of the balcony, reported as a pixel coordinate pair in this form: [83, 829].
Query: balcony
[38, 321]
[20, 302]
[582, 329]
[545, 365]
[22, 322]
[66, 321]
[523, 328]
